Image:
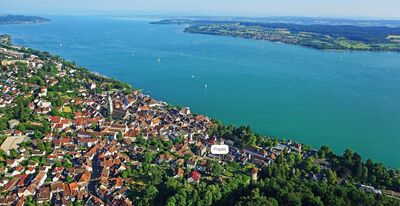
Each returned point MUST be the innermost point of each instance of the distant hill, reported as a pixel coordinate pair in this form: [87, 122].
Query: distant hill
[20, 19]
[286, 20]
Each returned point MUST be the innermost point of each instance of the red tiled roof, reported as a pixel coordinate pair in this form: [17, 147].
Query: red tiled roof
[22, 178]
[118, 182]
[55, 119]
[10, 184]
[73, 186]
[58, 169]
[180, 172]
[65, 121]
[20, 168]
[85, 177]
[195, 176]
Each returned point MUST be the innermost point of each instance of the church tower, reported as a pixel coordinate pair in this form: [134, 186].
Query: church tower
[109, 105]
[254, 174]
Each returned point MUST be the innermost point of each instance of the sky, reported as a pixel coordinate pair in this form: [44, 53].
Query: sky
[389, 9]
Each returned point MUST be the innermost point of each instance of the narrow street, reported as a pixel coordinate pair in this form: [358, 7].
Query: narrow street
[94, 180]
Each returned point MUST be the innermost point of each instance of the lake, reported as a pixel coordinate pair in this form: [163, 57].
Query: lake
[338, 98]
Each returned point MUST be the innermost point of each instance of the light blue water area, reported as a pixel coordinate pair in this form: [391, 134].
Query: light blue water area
[339, 98]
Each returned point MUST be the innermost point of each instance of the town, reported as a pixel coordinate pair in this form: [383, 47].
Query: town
[71, 137]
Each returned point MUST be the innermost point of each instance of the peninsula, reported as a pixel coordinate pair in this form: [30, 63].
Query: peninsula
[20, 19]
[72, 137]
[318, 36]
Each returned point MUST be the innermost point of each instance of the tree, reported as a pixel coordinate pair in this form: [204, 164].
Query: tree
[124, 174]
[38, 134]
[67, 164]
[78, 203]
[40, 145]
[141, 141]
[171, 201]
[293, 198]
[48, 147]
[149, 195]
[148, 157]
[181, 197]
[324, 152]
[215, 191]
[21, 127]
[331, 177]
[316, 169]
[308, 164]
[208, 198]
[119, 136]
[255, 199]
[3, 123]
[20, 111]
[13, 153]
[348, 157]
[251, 140]
[310, 200]
[217, 169]
[69, 179]
[2, 155]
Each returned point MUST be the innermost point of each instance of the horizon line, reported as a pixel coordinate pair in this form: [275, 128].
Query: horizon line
[193, 14]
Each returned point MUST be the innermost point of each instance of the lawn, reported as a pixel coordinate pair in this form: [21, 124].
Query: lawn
[67, 109]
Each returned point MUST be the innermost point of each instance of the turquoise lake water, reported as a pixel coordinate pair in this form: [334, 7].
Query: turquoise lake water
[338, 98]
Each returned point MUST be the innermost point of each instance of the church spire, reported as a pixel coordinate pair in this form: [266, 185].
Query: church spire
[110, 107]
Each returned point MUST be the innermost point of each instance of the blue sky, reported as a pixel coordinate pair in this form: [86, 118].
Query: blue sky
[326, 8]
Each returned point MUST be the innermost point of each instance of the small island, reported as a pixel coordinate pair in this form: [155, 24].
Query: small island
[20, 19]
[318, 36]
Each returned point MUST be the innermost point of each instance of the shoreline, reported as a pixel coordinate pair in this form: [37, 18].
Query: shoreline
[299, 45]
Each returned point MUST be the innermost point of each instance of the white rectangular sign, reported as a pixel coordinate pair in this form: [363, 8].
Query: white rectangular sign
[219, 149]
